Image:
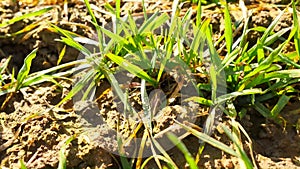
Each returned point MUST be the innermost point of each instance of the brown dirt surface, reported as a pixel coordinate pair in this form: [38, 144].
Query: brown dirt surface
[32, 130]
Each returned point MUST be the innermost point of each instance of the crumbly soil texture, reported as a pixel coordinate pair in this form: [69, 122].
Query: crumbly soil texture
[35, 133]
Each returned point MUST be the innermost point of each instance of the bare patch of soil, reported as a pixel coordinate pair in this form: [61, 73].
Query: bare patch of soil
[37, 134]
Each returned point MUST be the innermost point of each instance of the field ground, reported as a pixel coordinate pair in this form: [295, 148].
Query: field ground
[30, 133]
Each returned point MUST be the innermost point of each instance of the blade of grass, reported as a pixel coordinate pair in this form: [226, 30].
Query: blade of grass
[88, 6]
[79, 86]
[115, 84]
[206, 138]
[75, 45]
[160, 157]
[132, 24]
[162, 151]
[296, 26]
[228, 27]
[153, 22]
[200, 100]
[282, 84]
[174, 21]
[168, 47]
[229, 58]
[141, 150]
[35, 75]
[286, 59]
[189, 158]
[25, 16]
[291, 73]
[199, 14]
[114, 36]
[62, 156]
[218, 83]
[202, 51]
[262, 109]
[197, 44]
[69, 40]
[86, 41]
[23, 165]
[144, 10]
[238, 145]
[118, 11]
[214, 83]
[174, 10]
[27, 28]
[109, 8]
[265, 63]
[137, 71]
[158, 163]
[222, 99]
[271, 27]
[6, 91]
[283, 100]
[246, 17]
[89, 92]
[264, 39]
[61, 55]
[249, 143]
[260, 52]
[146, 106]
[24, 71]
[95, 23]
[278, 35]
[41, 79]
[124, 160]
[242, 154]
